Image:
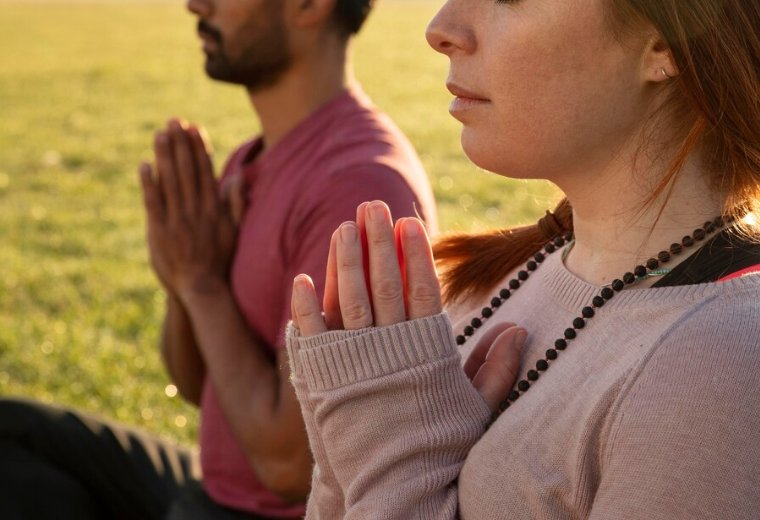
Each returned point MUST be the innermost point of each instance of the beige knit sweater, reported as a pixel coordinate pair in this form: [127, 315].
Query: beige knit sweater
[653, 412]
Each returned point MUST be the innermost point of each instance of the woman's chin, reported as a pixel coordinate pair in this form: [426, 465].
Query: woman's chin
[482, 154]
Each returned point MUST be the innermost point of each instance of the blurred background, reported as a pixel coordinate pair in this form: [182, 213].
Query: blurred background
[83, 86]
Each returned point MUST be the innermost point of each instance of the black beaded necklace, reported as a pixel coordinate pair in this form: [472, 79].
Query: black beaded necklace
[640, 272]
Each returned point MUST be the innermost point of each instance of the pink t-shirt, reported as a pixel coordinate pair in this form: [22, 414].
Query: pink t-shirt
[343, 154]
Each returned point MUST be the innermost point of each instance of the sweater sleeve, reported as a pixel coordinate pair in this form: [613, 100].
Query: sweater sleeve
[685, 440]
[392, 414]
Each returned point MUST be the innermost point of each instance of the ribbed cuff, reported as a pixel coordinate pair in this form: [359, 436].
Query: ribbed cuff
[339, 358]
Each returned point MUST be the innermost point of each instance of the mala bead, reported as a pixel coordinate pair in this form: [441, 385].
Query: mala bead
[588, 312]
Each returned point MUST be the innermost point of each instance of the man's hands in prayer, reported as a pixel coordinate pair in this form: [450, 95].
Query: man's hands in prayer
[379, 275]
[191, 229]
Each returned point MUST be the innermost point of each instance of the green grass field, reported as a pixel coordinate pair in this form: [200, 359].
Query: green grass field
[82, 88]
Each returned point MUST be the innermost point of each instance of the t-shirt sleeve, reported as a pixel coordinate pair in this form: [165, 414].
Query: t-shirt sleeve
[331, 204]
[685, 442]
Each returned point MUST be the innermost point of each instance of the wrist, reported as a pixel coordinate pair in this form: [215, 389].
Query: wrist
[202, 292]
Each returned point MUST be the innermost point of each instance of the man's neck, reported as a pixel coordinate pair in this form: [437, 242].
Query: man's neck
[304, 88]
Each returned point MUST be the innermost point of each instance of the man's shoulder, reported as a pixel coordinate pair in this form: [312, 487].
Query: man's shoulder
[362, 122]
[365, 138]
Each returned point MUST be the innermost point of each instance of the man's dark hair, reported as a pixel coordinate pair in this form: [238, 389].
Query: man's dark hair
[350, 15]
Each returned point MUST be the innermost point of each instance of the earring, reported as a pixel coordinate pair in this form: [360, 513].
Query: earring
[665, 73]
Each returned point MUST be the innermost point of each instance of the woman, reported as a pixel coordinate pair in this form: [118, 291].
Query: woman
[637, 392]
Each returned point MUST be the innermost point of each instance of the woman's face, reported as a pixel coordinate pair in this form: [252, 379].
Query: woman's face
[544, 90]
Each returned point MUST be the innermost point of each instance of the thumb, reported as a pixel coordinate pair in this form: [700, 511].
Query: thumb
[499, 372]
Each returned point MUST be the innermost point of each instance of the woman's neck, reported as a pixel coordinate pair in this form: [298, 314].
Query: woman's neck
[615, 231]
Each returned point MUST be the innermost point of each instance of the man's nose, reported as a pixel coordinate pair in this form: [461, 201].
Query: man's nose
[202, 8]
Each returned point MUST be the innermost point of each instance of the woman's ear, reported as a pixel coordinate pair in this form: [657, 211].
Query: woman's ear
[658, 65]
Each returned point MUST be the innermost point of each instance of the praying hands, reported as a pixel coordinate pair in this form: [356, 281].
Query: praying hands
[379, 274]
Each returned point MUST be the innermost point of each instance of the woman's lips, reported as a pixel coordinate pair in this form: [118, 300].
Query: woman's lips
[465, 99]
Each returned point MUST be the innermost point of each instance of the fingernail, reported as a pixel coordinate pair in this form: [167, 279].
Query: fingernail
[162, 138]
[377, 212]
[521, 338]
[301, 284]
[411, 227]
[348, 233]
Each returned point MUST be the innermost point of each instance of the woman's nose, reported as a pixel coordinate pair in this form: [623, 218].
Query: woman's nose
[448, 30]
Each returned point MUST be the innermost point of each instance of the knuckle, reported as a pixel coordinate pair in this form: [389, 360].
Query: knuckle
[382, 239]
[350, 262]
[358, 313]
[428, 294]
[387, 290]
[306, 311]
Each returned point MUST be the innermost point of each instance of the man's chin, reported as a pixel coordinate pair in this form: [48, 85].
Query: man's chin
[217, 71]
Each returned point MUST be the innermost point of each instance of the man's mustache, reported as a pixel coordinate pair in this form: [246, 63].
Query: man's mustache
[206, 28]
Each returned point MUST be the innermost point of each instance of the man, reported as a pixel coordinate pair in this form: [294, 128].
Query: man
[228, 270]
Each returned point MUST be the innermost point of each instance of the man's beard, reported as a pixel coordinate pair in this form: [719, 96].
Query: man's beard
[260, 64]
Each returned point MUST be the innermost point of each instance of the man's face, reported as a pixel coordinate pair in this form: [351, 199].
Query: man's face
[245, 41]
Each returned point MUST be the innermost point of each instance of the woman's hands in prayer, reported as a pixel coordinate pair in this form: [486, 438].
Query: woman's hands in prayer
[379, 274]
